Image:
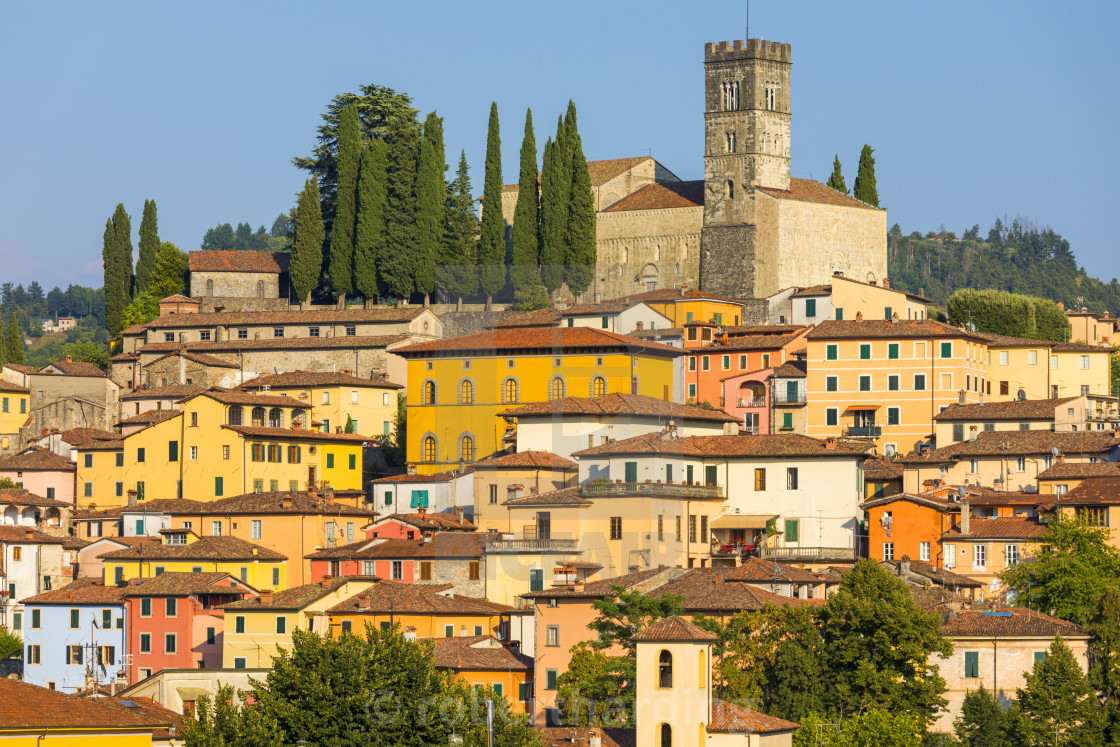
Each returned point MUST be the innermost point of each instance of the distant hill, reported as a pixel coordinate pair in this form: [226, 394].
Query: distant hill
[1019, 258]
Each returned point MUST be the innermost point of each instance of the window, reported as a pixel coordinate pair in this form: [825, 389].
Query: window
[793, 528]
[787, 420]
[1002, 357]
[923, 551]
[257, 417]
[277, 331]
[865, 383]
[616, 527]
[556, 388]
[312, 331]
[893, 415]
[397, 570]
[330, 461]
[194, 453]
[34, 654]
[256, 529]
[831, 416]
[919, 382]
[167, 337]
[1011, 554]
[74, 618]
[218, 486]
[510, 390]
[760, 478]
[832, 352]
[145, 643]
[832, 383]
[429, 449]
[550, 679]
[242, 334]
[971, 663]
[1021, 464]
[552, 636]
[791, 478]
[888, 551]
[980, 556]
[892, 383]
[140, 454]
[466, 392]
[865, 351]
[810, 308]
[171, 607]
[239, 662]
[946, 350]
[473, 571]
[281, 624]
[216, 528]
[120, 458]
[950, 556]
[88, 458]
[274, 453]
[1084, 363]
[87, 490]
[678, 524]
[169, 643]
[892, 351]
[466, 449]
[36, 617]
[239, 624]
[275, 418]
[665, 670]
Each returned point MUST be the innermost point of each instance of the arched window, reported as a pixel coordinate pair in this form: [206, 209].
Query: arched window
[556, 388]
[466, 449]
[275, 418]
[428, 393]
[298, 417]
[236, 415]
[702, 669]
[731, 189]
[429, 448]
[666, 735]
[258, 416]
[466, 392]
[260, 289]
[598, 386]
[210, 287]
[509, 394]
[665, 670]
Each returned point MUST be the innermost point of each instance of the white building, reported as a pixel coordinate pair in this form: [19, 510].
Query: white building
[443, 491]
[30, 563]
[620, 316]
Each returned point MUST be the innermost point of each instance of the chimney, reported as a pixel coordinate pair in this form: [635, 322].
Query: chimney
[886, 283]
[69, 359]
[641, 326]
[328, 495]
[254, 551]
[363, 603]
[871, 282]
[422, 510]
[578, 586]
[859, 316]
[723, 339]
[286, 502]
[830, 443]
[972, 432]
[1061, 306]
[338, 429]
[132, 498]
[410, 469]
[961, 397]
[459, 514]
[312, 491]
[30, 533]
[266, 596]
[966, 514]
[904, 565]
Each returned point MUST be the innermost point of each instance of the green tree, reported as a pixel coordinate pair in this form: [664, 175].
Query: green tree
[86, 351]
[873, 728]
[169, 275]
[10, 643]
[581, 250]
[879, 644]
[149, 245]
[1072, 567]
[457, 273]
[397, 266]
[1057, 704]
[431, 203]
[836, 181]
[141, 310]
[1103, 628]
[116, 256]
[307, 242]
[864, 188]
[369, 241]
[980, 723]
[346, 191]
[492, 239]
[556, 186]
[523, 272]
[14, 350]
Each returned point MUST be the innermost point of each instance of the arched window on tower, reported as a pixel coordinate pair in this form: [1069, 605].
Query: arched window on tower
[666, 735]
[260, 289]
[236, 415]
[730, 189]
[556, 388]
[665, 670]
[209, 287]
[510, 390]
[466, 449]
[428, 395]
[598, 386]
[429, 449]
[466, 392]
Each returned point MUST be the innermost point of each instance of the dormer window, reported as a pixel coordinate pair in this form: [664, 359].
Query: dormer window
[176, 538]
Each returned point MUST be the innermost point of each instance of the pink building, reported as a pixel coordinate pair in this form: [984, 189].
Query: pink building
[41, 472]
[770, 400]
[455, 558]
[417, 525]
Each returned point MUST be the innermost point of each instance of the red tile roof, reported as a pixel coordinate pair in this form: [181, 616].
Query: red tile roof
[177, 298]
[179, 584]
[864, 329]
[1009, 621]
[24, 497]
[376, 315]
[203, 359]
[1099, 491]
[562, 497]
[780, 444]
[81, 591]
[604, 171]
[434, 477]
[604, 587]
[662, 196]
[618, 403]
[757, 569]
[151, 417]
[36, 458]
[282, 502]
[736, 719]
[466, 545]
[1028, 409]
[880, 470]
[1000, 528]
[573, 736]
[555, 340]
[791, 370]
[1076, 470]
[85, 436]
[31, 708]
[297, 597]
[1021, 443]
[528, 460]
[74, 368]
[421, 599]
[238, 261]
[171, 391]
[539, 318]
[674, 629]
[281, 343]
[7, 386]
[708, 590]
[204, 548]
[444, 521]
[27, 535]
[809, 190]
[314, 379]
[672, 295]
[478, 653]
[748, 342]
[301, 434]
[233, 397]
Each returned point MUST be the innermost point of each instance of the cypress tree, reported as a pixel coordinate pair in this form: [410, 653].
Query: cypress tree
[122, 227]
[149, 247]
[369, 239]
[492, 240]
[836, 181]
[552, 255]
[3, 343]
[864, 189]
[581, 248]
[397, 266]
[116, 256]
[523, 273]
[308, 234]
[342, 229]
[13, 344]
[431, 202]
[457, 273]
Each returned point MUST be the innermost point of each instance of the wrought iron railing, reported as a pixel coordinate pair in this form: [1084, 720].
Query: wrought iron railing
[597, 489]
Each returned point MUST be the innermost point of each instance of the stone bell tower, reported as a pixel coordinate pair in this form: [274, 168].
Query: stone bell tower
[746, 145]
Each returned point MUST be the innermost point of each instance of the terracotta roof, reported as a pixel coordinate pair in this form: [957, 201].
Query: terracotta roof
[880, 469]
[74, 368]
[151, 417]
[809, 190]
[982, 496]
[301, 434]
[572, 736]
[775, 445]
[35, 458]
[735, 719]
[757, 569]
[171, 391]
[135, 329]
[375, 315]
[1012, 443]
[81, 591]
[297, 597]
[478, 652]
[1000, 528]
[21, 368]
[601, 588]
[148, 708]
[1008, 621]
[204, 548]
[865, 329]
[791, 370]
[929, 499]
[177, 298]
[1079, 347]
[748, 342]
[604, 171]
[24, 497]
[662, 196]
[85, 436]
[434, 477]
[27, 707]
[75, 543]
[613, 306]
[673, 295]
[238, 261]
[618, 403]
[708, 590]
[417, 599]
[540, 318]
[1075, 470]
[19, 535]
[314, 379]
[564, 496]
[1101, 491]
[934, 573]
[203, 359]
[529, 460]
[443, 521]
[439, 545]
[234, 397]
[812, 290]
[7, 386]
[178, 584]
[555, 340]
[273, 502]
[280, 343]
[154, 505]
[674, 629]
[1028, 409]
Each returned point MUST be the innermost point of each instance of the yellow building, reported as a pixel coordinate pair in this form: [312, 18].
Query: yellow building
[1046, 370]
[683, 305]
[30, 716]
[482, 661]
[1064, 476]
[255, 629]
[183, 551]
[13, 413]
[886, 380]
[221, 443]
[844, 298]
[422, 611]
[335, 399]
[1096, 502]
[958, 423]
[1085, 326]
[982, 549]
[457, 386]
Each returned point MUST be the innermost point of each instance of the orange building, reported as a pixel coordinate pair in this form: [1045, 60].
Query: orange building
[482, 661]
[908, 524]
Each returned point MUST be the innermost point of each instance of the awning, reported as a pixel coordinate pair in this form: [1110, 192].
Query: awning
[862, 408]
[741, 521]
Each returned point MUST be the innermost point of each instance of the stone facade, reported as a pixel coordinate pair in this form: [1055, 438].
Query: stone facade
[193, 370]
[64, 414]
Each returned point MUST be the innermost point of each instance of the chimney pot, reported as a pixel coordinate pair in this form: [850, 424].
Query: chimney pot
[266, 596]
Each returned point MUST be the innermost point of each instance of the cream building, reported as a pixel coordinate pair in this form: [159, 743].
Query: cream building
[1046, 370]
[843, 298]
[958, 423]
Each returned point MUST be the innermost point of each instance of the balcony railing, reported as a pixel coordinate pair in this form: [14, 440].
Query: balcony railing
[808, 553]
[653, 489]
[498, 544]
[732, 550]
[865, 431]
[752, 402]
[784, 398]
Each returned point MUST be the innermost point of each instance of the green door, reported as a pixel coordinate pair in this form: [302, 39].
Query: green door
[631, 472]
[791, 391]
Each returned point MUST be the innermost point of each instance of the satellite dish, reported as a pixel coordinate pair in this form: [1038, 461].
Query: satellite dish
[1054, 451]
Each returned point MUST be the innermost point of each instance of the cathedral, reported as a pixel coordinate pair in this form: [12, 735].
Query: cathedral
[748, 229]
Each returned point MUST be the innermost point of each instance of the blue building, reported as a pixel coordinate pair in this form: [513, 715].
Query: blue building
[73, 632]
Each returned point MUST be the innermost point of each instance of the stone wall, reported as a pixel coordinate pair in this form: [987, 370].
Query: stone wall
[208, 304]
[727, 266]
[242, 285]
[176, 369]
[636, 247]
[457, 323]
[65, 414]
[457, 572]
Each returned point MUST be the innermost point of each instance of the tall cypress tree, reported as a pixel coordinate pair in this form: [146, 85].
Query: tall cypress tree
[149, 247]
[13, 343]
[523, 273]
[116, 257]
[369, 238]
[431, 199]
[342, 229]
[397, 267]
[3, 343]
[864, 189]
[122, 227]
[581, 213]
[836, 181]
[552, 257]
[308, 234]
[457, 273]
[492, 239]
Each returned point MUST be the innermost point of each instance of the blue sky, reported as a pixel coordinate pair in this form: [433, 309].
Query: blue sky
[975, 109]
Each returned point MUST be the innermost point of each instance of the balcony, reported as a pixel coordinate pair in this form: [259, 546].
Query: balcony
[650, 489]
[784, 398]
[864, 431]
[751, 402]
[809, 554]
[502, 545]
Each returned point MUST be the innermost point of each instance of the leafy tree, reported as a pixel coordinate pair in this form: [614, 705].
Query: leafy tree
[10, 642]
[86, 351]
[345, 216]
[307, 242]
[281, 227]
[980, 723]
[874, 728]
[1011, 314]
[14, 350]
[1103, 628]
[1057, 704]
[431, 202]
[141, 310]
[879, 644]
[864, 188]
[492, 240]
[219, 238]
[457, 273]
[369, 241]
[170, 272]
[581, 250]
[836, 181]
[149, 245]
[1073, 566]
[397, 267]
[523, 271]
